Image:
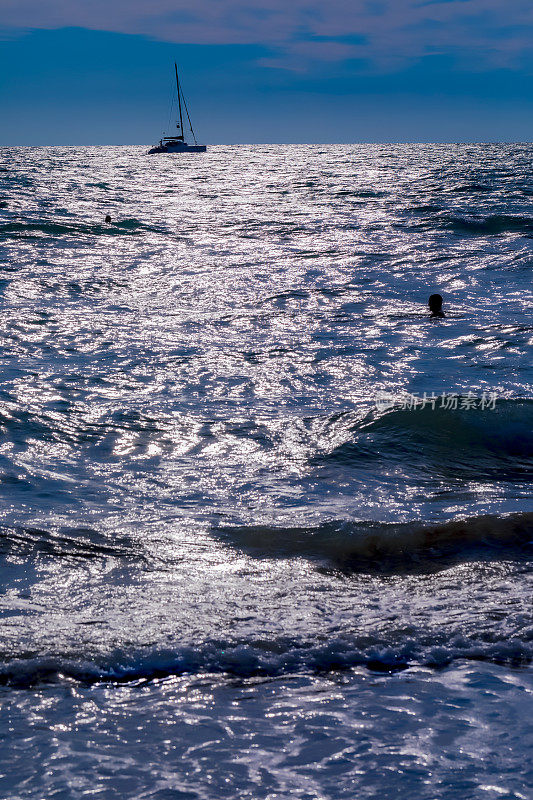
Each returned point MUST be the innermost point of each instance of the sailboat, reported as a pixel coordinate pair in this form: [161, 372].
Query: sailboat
[177, 143]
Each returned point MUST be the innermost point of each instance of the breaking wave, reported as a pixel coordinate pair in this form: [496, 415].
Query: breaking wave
[379, 546]
[268, 659]
[455, 444]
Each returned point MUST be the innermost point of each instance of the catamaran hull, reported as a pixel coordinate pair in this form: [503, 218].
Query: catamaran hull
[187, 148]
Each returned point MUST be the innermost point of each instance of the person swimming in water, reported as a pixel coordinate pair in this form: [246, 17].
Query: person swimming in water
[435, 306]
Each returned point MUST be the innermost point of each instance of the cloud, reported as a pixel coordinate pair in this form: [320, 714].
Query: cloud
[383, 34]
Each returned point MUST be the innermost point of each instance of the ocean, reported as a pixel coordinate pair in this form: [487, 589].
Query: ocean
[266, 527]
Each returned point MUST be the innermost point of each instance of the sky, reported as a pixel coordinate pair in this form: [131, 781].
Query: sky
[272, 71]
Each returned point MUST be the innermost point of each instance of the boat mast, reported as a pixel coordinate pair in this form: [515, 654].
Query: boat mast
[179, 101]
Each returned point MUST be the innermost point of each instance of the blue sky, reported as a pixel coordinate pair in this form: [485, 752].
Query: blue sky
[91, 72]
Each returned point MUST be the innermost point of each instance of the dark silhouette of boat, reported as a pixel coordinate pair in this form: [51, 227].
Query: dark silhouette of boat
[177, 143]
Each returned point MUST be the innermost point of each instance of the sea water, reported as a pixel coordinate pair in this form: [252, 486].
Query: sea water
[266, 527]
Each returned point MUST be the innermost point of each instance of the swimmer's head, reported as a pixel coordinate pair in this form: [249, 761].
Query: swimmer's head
[435, 303]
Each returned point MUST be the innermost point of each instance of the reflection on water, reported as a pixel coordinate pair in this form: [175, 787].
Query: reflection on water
[208, 522]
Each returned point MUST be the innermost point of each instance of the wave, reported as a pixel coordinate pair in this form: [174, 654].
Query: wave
[84, 543]
[265, 659]
[456, 444]
[91, 286]
[363, 193]
[388, 547]
[22, 425]
[494, 224]
[467, 188]
[39, 228]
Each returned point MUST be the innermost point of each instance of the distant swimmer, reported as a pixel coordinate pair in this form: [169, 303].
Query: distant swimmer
[108, 218]
[435, 306]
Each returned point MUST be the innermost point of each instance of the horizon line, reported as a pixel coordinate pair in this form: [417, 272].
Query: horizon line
[286, 144]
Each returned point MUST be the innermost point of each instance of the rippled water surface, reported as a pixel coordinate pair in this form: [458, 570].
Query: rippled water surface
[236, 560]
